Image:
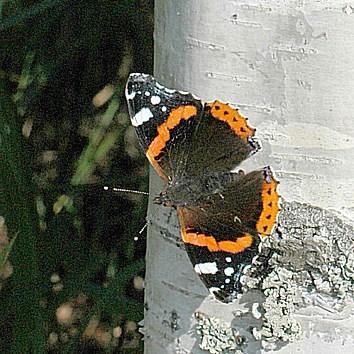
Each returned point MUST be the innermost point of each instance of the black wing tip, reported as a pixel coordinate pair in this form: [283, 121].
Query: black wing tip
[135, 80]
[140, 77]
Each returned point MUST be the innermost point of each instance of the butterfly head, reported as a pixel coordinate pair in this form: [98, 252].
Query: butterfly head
[178, 194]
[164, 199]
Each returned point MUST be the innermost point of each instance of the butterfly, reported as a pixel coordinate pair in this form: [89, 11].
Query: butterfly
[193, 146]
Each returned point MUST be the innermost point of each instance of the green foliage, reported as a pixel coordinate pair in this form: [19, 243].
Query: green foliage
[64, 134]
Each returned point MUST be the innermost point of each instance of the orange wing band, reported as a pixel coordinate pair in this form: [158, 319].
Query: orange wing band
[237, 246]
[163, 133]
[270, 208]
[232, 117]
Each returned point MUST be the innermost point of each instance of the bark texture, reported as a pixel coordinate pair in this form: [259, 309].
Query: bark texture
[288, 66]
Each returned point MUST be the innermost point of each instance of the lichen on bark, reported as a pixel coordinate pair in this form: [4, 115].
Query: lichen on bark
[311, 263]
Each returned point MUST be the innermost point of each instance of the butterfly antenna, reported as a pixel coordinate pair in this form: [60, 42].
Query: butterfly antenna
[124, 190]
[136, 238]
[143, 228]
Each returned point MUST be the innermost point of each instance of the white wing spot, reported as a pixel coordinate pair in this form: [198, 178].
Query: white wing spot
[229, 271]
[227, 280]
[228, 259]
[155, 100]
[142, 116]
[169, 90]
[164, 109]
[147, 93]
[131, 95]
[214, 290]
[206, 268]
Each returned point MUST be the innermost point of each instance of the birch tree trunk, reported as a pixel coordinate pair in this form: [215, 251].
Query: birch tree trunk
[288, 66]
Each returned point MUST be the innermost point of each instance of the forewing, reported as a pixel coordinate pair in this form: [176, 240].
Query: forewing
[221, 141]
[164, 121]
[182, 136]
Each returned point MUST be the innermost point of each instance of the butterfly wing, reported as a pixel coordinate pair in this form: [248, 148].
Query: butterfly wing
[164, 121]
[221, 234]
[222, 140]
[182, 136]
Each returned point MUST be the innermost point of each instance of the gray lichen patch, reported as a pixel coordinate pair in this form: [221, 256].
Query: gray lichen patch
[282, 297]
[310, 262]
[217, 337]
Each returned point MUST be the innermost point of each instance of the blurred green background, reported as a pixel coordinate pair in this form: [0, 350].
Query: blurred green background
[71, 256]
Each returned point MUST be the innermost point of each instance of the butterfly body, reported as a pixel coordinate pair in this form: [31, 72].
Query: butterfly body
[193, 146]
[191, 192]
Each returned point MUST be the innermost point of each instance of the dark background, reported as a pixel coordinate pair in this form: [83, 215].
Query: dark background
[71, 256]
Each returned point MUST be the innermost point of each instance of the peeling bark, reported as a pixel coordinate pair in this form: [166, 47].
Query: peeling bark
[287, 65]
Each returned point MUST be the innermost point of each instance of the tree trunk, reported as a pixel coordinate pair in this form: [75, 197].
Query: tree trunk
[288, 66]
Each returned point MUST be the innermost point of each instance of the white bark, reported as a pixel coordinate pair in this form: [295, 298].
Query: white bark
[288, 66]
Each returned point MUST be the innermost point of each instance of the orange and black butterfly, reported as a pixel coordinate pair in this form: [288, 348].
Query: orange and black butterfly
[193, 146]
